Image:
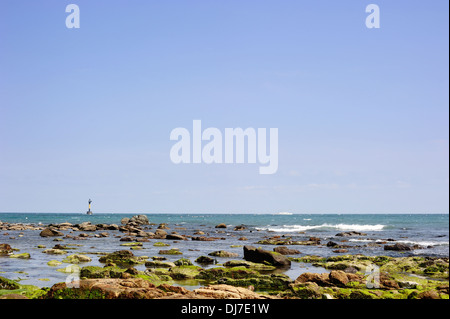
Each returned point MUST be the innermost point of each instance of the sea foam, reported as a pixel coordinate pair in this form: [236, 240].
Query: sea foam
[345, 227]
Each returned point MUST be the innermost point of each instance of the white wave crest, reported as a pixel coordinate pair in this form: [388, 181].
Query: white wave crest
[348, 227]
[410, 242]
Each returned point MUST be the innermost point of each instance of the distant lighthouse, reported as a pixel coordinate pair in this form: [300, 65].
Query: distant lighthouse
[89, 211]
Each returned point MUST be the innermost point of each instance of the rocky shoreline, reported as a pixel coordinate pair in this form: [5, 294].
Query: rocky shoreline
[258, 275]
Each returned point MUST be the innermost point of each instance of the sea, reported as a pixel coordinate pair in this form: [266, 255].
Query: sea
[430, 231]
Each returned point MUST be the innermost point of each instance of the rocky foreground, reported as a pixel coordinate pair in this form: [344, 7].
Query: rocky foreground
[253, 277]
[396, 278]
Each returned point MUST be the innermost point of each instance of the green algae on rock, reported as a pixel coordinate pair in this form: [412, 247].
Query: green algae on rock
[123, 257]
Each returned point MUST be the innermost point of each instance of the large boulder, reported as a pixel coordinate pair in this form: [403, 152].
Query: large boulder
[139, 219]
[50, 232]
[259, 255]
[398, 247]
[338, 278]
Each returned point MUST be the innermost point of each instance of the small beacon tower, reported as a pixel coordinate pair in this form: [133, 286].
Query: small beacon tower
[89, 211]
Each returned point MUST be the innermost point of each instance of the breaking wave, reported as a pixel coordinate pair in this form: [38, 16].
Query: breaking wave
[410, 242]
[345, 227]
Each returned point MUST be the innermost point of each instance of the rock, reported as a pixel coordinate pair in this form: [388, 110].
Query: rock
[332, 244]
[54, 251]
[248, 264]
[431, 294]
[320, 279]
[163, 226]
[340, 251]
[240, 227]
[86, 226]
[227, 292]
[50, 232]
[76, 259]
[160, 244]
[338, 278]
[205, 260]
[159, 264]
[398, 247]
[184, 272]
[139, 219]
[259, 255]
[203, 238]
[306, 290]
[408, 284]
[175, 237]
[132, 244]
[221, 225]
[107, 288]
[8, 284]
[20, 256]
[183, 262]
[350, 233]
[286, 251]
[124, 220]
[54, 263]
[172, 251]
[5, 249]
[160, 234]
[123, 257]
[223, 253]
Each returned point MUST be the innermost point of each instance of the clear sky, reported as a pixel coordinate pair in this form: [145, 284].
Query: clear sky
[362, 113]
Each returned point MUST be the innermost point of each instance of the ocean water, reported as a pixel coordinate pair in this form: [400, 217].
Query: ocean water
[428, 230]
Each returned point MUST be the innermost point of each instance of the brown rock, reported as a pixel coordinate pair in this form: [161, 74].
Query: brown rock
[227, 292]
[431, 294]
[50, 232]
[286, 251]
[338, 278]
[117, 288]
[5, 249]
[259, 255]
[320, 279]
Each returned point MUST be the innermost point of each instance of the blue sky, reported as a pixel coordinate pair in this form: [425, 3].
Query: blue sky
[362, 113]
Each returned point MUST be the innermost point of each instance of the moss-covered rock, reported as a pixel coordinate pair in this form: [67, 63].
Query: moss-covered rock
[183, 262]
[173, 251]
[20, 256]
[54, 263]
[12, 288]
[123, 258]
[184, 272]
[249, 264]
[77, 259]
